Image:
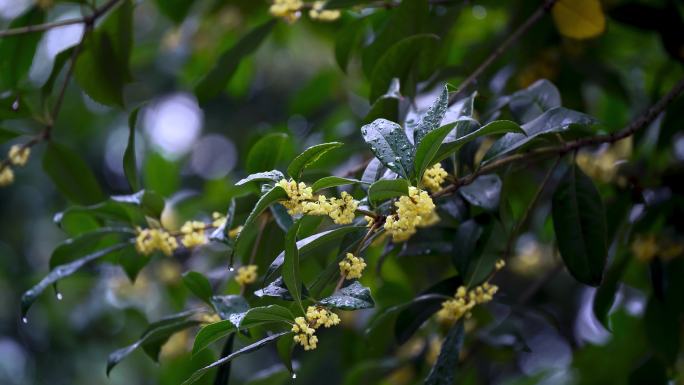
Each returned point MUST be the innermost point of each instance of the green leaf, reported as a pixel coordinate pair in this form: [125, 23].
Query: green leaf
[528, 104]
[71, 174]
[291, 274]
[432, 117]
[387, 188]
[373, 172]
[444, 370]
[662, 326]
[465, 248]
[352, 297]
[266, 152]
[387, 106]
[485, 192]
[211, 333]
[277, 289]
[216, 80]
[130, 166]
[311, 243]
[262, 177]
[247, 349]
[579, 220]
[410, 319]
[332, 181]
[176, 10]
[273, 195]
[57, 66]
[265, 314]
[7, 134]
[398, 61]
[154, 337]
[102, 68]
[76, 247]
[348, 38]
[308, 157]
[63, 271]
[17, 52]
[281, 216]
[222, 233]
[338, 4]
[390, 145]
[380, 322]
[230, 307]
[605, 294]
[557, 119]
[199, 285]
[427, 148]
[496, 127]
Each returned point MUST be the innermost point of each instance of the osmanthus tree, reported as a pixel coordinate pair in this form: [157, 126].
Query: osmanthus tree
[455, 175]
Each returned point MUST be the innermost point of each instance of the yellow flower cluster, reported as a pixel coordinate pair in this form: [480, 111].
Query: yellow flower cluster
[647, 247]
[17, 156]
[434, 177]
[151, 240]
[352, 267]
[318, 13]
[499, 264]
[209, 318]
[246, 275]
[301, 201]
[305, 327]
[289, 10]
[464, 301]
[193, 234]
[218, 219]
[604, 165]
[414, 210]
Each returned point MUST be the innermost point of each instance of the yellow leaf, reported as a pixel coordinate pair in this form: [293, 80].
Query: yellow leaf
[579, 19]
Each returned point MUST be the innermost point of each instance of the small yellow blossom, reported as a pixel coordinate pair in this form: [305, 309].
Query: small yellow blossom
[370, 220]
[464, 301]
[414, 210]
[246, 275]
[151, 240]
[604, 164]
[342, 211]
[18, 156]
[318, 13]
[319, 316]
[218, 219]
[500, 264]
[434, 177]
[304, 334]
[352, 267]
[297, 193]
[645, 247]
[6, 176]
[209, 318]
[234, 232]
[193, 234]
[289, 10]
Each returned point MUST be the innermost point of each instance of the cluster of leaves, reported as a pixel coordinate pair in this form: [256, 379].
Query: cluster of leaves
[477, 224]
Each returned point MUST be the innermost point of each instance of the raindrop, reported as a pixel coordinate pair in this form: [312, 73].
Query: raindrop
[59, 296]
[231, 269]
[294, 376]
[24, 320]
[15, 105]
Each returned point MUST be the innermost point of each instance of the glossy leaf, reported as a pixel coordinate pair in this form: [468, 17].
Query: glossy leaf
[385, 189]
[554, 120]
[277, 289]
[230, 307]
[428, 147]
[496, 127]
[76, 247]
[308, 157]
[332, 181]
[373, 171]
[266, 152]
[443, 372]
[273, 195]
[530, 103]
[390, 145]
[269, 313]
[130, 166]
[211, 333]
[61, 272]
[247, 349]
[485, 192]
[17, 52]
[291, 274]
[216, 80]
[352, 297]
[262, 177]
[432, 118]
[199, 285]
[579, 220]
[71, 174]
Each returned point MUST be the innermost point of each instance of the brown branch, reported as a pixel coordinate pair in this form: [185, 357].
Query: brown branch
[537, 15]
[639, 123]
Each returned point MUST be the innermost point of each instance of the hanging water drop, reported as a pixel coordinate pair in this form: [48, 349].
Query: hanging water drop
[24, 320]
[59, 296]
[15, 105]
[294, 376]
[231, 269]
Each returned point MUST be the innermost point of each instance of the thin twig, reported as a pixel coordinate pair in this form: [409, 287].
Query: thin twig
[639, 123]
[40, 27]
[537, 15]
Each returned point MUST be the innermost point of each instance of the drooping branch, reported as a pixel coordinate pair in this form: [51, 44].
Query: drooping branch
[637, 124]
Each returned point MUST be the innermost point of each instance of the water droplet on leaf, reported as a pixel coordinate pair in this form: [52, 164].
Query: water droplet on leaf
[59, 296]
[231, 269]
[294, 376]
[24, 320]
[15, 105]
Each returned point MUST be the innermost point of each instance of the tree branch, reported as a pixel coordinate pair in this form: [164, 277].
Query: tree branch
[543, 8]
[640, 122]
